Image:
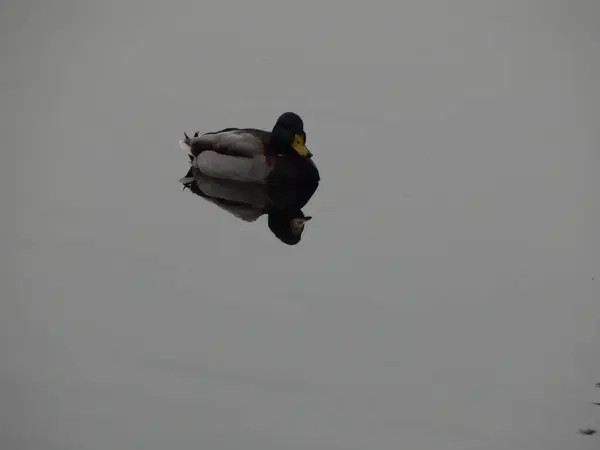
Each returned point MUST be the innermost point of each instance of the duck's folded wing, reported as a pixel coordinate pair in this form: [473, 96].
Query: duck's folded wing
[235, 142]
[216, 165]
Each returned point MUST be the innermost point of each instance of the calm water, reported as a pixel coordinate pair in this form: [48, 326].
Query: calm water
[442, 296]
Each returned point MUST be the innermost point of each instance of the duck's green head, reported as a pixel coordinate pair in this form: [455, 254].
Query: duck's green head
[288, 136]
[288, 227]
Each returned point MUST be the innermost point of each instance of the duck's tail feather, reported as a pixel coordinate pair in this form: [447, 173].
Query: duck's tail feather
[184, 144]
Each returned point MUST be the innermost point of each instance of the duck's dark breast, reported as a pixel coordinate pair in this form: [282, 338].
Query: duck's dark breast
[295, 169]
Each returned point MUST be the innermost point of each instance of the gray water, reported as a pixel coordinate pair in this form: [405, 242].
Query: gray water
[442, 297]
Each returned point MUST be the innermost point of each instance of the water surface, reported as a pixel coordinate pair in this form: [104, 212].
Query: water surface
[441, 297]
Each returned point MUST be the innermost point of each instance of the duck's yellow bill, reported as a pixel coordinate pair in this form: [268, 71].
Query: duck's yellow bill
[300, 148]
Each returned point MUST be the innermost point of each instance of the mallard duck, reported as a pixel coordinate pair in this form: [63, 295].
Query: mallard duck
[253, 155]
[249, 201]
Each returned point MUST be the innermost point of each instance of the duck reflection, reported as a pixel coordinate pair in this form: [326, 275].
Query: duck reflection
[248, 201]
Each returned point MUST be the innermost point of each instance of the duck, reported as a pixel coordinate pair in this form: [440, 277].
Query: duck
[252, 155]
[248, 201]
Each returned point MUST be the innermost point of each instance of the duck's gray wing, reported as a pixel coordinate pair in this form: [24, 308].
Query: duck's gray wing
[246, 142]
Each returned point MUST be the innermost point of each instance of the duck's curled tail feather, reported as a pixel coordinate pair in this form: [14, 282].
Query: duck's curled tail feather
[184, 144]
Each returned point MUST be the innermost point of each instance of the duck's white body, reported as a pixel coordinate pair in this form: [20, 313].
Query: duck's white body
[248, 170]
